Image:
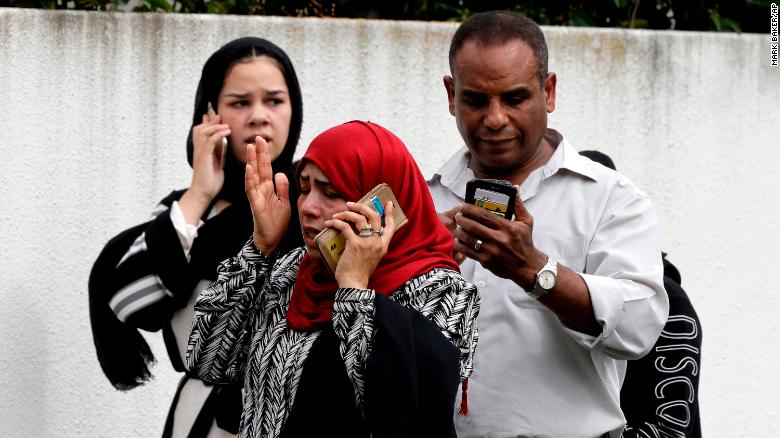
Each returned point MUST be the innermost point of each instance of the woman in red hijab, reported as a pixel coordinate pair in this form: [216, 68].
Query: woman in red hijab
[376, 349]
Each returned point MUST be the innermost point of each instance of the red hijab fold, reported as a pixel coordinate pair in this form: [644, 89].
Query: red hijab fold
[356, 156]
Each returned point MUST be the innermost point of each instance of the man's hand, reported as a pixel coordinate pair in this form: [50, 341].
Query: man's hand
[448, 219]
[506, 249]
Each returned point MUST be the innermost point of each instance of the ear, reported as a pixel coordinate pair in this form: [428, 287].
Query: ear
[549, 91]
[449, 84]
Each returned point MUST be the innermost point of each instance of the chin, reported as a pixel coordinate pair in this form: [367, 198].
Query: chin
[313, 253]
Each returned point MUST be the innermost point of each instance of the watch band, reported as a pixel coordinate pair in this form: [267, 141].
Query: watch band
[549, 269]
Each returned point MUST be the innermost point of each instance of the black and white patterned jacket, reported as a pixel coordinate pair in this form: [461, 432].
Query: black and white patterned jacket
[240, 333]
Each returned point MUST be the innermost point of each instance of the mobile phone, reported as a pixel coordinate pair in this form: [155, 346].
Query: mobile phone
[494, 195]
[210, 111]
[331, 243]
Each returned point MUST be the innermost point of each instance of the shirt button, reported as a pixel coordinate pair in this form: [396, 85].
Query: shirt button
[480, 283]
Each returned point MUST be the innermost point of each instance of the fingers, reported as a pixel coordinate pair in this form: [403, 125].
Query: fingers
[474, 223]
[282, 187]
[360, 215]
[251, 162]
[389, 224]
[358, 220]
[521, 214]
[344, 227]
[250, 185]
[263, 156]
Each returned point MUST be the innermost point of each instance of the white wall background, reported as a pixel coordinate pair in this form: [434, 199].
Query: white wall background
[94, 113]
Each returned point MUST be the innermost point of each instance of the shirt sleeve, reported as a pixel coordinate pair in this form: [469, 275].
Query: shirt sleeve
[443, 297]
[409, 351]
[452, 305]
[186, 232]
[221, 329]
[624, 275]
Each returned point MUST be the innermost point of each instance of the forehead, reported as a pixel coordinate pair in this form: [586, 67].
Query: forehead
[509, 64]
[263, 71]
[311, 171]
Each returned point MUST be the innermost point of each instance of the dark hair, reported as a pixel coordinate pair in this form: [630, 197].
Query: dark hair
[499, 27]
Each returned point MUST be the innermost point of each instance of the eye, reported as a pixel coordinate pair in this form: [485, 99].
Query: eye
[333, 195]
[239, 104]
[514, 100]
[275, 102]
[474, 100]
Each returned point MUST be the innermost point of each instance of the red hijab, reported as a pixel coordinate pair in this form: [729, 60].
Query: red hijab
[356, 156]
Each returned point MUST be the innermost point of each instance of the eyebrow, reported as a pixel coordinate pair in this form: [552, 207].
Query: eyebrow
[266, 92]
[522, 89]
[320, 182]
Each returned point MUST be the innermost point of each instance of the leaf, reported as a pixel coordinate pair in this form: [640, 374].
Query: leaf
[578, 17]
[157, 5]
[730, 24]
[621, 3]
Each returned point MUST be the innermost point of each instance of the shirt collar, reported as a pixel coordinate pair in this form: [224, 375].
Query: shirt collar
[566, 157]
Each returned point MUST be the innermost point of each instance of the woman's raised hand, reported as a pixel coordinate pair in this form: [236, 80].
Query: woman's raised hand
[270, 208]
[361, 254]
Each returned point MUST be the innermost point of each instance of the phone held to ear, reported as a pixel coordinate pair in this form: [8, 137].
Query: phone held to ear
[212, 114]
[494, 195]
[331, 242]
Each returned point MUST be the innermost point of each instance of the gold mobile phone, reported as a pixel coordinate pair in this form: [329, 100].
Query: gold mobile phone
[331, 242]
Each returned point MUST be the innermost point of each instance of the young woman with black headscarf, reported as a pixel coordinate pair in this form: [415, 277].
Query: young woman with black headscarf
[149, 276]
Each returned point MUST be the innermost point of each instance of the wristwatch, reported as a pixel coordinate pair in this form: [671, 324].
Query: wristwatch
[546, 279]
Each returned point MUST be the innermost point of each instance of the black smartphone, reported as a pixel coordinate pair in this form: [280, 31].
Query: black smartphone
[494, 195]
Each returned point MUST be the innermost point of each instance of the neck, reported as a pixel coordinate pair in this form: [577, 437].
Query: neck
[518, 174]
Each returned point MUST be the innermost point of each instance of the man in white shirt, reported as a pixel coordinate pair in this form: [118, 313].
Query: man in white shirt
[572, 287]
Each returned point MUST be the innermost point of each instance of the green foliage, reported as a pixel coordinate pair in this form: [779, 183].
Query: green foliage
[713, 15]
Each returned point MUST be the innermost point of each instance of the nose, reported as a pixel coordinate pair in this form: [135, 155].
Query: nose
[309, 206]
[496, 117]
[259, 115]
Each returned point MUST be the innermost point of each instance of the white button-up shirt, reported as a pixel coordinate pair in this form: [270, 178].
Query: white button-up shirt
[533, 376]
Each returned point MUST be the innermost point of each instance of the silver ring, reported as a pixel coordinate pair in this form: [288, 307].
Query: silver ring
[478, 245]
[379, 233]
[366, 232]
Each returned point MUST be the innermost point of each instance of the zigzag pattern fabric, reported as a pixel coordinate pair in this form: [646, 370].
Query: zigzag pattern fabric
[353, 313]
[240, 331]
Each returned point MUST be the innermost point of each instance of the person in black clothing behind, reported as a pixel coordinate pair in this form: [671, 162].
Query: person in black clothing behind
[148, 277]
[660, 393]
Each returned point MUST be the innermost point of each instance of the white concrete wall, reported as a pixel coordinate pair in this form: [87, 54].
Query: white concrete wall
[94, 112]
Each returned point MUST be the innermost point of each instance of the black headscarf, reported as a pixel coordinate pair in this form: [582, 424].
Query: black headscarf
[211, 80]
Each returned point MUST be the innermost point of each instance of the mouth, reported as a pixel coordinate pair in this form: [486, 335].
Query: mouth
[309, 234]
[497, 140]
[252, 138]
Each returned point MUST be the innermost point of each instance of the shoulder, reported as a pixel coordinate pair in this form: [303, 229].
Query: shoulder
[437, 282]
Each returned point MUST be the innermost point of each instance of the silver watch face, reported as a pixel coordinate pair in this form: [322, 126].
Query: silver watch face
[546, 280]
